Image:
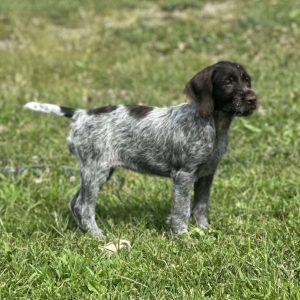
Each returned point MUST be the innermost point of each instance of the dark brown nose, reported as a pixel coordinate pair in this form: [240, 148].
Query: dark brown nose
[251, 99]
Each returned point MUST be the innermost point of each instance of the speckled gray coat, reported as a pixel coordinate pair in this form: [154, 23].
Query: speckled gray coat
[183, 142]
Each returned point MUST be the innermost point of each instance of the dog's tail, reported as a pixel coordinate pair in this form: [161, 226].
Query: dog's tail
[51, 109]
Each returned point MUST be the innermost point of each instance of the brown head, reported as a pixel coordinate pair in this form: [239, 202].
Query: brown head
[224, 86]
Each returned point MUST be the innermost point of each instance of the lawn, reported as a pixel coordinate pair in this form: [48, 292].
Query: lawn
[92, 53]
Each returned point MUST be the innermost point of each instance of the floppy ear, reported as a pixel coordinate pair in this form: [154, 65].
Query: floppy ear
[199, 90]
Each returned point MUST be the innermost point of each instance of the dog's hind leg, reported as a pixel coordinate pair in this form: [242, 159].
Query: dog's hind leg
[83, 203]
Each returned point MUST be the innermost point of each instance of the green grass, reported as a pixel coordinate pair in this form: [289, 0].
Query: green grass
[110, 52]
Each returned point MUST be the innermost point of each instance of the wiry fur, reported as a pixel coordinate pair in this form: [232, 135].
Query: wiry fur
[177, 142]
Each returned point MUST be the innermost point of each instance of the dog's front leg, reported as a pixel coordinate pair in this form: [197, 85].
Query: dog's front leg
[201, 200]
[180, 212]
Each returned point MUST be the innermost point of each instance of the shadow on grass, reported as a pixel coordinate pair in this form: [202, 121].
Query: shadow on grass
[129, 214]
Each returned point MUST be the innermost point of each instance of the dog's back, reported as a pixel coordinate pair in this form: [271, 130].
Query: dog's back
[162, 140]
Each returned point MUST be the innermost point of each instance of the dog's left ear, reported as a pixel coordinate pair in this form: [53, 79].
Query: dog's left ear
[200, 89]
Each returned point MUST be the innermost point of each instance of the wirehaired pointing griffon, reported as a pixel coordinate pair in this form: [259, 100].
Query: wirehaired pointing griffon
[184, 142]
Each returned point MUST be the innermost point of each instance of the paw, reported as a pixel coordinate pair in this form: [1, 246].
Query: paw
[202, 223]
[185, 236]
[97, 233]
[180, 235]
[179, 230]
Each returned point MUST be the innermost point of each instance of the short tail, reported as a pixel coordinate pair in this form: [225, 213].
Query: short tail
[51, 109]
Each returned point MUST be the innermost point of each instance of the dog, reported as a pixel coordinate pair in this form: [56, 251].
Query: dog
[184, 142]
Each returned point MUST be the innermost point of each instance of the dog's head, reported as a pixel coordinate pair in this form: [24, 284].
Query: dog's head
[224, 86]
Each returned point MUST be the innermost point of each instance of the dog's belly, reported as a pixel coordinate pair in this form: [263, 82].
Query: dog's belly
[165, 163]
[151, 170]
[158, 164]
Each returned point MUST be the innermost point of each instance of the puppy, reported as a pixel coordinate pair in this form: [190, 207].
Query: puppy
[184, 142]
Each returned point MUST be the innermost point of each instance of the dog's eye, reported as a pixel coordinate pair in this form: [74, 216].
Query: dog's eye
[247, 79]
[230, 80]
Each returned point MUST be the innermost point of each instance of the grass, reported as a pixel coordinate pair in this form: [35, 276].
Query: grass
[99, 53]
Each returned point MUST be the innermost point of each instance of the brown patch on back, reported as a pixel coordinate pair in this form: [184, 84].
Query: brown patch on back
[101, 110]
[138, 111]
